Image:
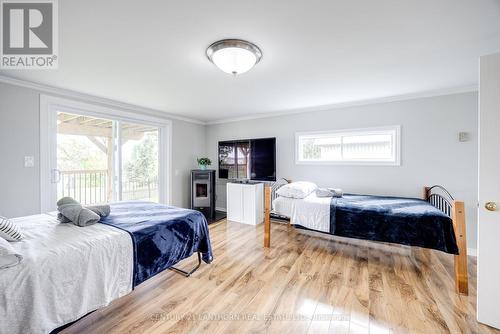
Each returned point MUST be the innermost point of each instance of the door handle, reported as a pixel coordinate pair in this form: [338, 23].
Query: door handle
[491, 206]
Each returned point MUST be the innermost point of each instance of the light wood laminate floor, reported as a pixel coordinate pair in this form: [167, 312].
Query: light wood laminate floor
[306, 283]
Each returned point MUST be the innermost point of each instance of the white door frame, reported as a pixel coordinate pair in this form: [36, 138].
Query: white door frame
[488, 268]
[50, 105]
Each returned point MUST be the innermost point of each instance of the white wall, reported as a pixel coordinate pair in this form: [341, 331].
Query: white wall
[431, 152]
[188, 145]
[19, 136]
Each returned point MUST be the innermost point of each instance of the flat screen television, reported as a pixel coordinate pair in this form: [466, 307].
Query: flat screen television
[248, 159]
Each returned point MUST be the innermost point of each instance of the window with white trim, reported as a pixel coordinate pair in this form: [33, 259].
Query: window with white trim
[371, 146]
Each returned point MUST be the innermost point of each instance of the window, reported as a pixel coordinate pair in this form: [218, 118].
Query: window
[234, 160]
[374, 146]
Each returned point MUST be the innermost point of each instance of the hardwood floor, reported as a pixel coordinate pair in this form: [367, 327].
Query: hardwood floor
[306, 283]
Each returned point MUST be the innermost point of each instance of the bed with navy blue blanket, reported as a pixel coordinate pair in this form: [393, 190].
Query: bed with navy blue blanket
[162, 235]
[399, 220]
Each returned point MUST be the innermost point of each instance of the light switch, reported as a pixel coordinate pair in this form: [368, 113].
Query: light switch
[29, 161]
[463, 136]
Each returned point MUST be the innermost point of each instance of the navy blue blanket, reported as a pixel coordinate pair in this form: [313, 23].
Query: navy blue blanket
[162, 235]
[405, 221]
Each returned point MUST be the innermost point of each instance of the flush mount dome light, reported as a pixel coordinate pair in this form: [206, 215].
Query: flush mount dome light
[234, 56]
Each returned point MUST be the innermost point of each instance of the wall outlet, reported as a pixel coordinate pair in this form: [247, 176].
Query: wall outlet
[29, 161]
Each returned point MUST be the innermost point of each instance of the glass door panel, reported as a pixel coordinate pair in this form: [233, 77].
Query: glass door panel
[84, 158]
[139, 162]
[227, 158]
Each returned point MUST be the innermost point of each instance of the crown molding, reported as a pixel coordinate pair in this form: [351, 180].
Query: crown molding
[61, 92]
[158, 113]
[395, 98]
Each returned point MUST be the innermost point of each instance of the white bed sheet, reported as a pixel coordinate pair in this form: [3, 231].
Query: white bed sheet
[283, 206]
[312, 212]
[67, 272]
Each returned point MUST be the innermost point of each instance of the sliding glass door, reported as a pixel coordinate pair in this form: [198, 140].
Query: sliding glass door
[102, 157]
[139, 162]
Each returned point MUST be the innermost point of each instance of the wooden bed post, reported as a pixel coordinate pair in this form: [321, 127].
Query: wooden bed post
[426, 193]
[461, 274]
[267, 218]
[458, 219]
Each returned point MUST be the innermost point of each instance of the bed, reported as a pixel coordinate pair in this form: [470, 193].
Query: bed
[69, 271]
[434, 222]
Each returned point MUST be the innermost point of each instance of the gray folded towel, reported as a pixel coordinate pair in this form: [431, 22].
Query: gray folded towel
[329, 192]
[101, 210]
[75, 213]
[62, 219]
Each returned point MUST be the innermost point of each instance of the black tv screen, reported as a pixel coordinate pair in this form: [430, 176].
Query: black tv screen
[253, 159]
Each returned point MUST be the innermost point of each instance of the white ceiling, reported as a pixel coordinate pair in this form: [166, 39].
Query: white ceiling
[315, 53]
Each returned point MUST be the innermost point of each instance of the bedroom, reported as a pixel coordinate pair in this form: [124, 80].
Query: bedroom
[132, 78]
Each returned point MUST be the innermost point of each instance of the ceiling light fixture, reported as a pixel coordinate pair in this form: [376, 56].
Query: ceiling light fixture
[234, 56]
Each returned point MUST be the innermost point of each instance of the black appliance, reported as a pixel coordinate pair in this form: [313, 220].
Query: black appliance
[203, 192]
[251, 159]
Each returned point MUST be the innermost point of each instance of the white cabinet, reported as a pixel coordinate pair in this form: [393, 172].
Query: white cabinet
[234, 199]
[245, 203]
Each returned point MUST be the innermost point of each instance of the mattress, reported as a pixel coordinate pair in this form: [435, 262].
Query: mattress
[312, 212]
[283, 206]
[67, 271]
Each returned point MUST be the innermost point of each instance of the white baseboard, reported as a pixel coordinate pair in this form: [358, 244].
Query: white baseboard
[472, 252]
[221, 209]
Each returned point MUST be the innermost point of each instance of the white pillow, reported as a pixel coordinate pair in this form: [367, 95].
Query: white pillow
[10, 231]
[8, 256]
[299, 189]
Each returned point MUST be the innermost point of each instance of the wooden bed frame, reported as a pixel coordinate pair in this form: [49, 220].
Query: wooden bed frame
[438, 197]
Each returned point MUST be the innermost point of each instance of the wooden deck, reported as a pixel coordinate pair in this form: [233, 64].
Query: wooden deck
[305, 283]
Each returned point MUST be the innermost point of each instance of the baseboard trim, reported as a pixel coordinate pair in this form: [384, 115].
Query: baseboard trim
[221, 209]
[472, 252]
